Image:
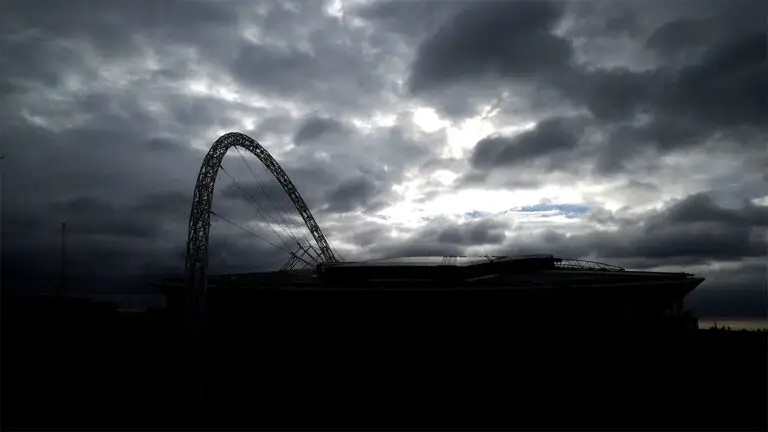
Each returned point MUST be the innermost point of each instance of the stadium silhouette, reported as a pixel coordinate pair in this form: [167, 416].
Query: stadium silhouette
[445, 341]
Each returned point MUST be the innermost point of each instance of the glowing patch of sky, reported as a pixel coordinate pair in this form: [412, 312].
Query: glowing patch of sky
[763, 201]
[427, 119]
[384, 120]
[547, 208]
[371, 123]
[457, 204]
[334, 8]
[36, 119]
[546, 218]
[444, 176]
[204, 87]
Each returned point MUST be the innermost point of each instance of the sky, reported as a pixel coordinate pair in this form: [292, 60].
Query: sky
[627, 132]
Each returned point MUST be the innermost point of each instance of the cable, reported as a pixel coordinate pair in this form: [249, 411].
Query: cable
[260, 238]
[269, 197]
[249, 232]
[255, 203]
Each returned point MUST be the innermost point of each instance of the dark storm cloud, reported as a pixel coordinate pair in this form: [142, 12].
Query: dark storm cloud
[723, 95]
[552, 152]
[681, 41]
[272, 67]
[413, 20]
[455, 64]
[505, 38]
[352, 195]
[317, 127]
[701, 208]
[274, 126]
[550, 136]
[719, 94]
[610, 95]
[699, 25]
[111, 24]
[728, 88]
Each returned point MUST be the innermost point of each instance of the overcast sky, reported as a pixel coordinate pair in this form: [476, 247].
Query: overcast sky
[627, 132]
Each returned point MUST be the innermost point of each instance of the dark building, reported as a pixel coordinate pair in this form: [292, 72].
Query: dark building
[517, 289]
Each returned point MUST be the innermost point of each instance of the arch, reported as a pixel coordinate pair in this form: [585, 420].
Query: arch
[196, 260]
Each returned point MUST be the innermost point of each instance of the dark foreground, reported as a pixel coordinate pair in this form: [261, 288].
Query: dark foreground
[80, 365]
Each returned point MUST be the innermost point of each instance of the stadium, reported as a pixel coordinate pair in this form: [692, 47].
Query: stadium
[533, 288]
[447, 341]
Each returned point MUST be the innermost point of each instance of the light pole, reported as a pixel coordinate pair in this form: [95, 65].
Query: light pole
[1, 221]
[62, 267]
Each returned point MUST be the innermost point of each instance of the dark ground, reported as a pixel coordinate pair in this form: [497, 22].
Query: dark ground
[80, 366]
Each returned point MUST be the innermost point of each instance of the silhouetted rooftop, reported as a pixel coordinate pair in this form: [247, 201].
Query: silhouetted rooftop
[449, 260]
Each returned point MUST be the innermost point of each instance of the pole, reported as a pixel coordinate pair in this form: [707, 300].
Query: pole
[1, 219]
[62, 265]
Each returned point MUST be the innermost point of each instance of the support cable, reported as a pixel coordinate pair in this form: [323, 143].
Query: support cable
[246, 230]
[257, 206]
[269, 196]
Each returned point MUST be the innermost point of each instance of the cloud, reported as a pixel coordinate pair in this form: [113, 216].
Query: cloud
[504, 38]
[555, 135]
[665, 108]
[473, 233]
[352, 195]
[317, 127]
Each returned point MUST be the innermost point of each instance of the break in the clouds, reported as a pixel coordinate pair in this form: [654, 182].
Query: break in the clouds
[628, 132]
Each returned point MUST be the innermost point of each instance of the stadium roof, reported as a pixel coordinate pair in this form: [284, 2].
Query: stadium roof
[434, 261]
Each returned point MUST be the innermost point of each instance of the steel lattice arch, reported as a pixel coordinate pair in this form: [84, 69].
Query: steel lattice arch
[196, 261]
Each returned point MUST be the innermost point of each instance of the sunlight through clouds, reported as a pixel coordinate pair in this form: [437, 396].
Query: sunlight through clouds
[427, 119]
[455, 205]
